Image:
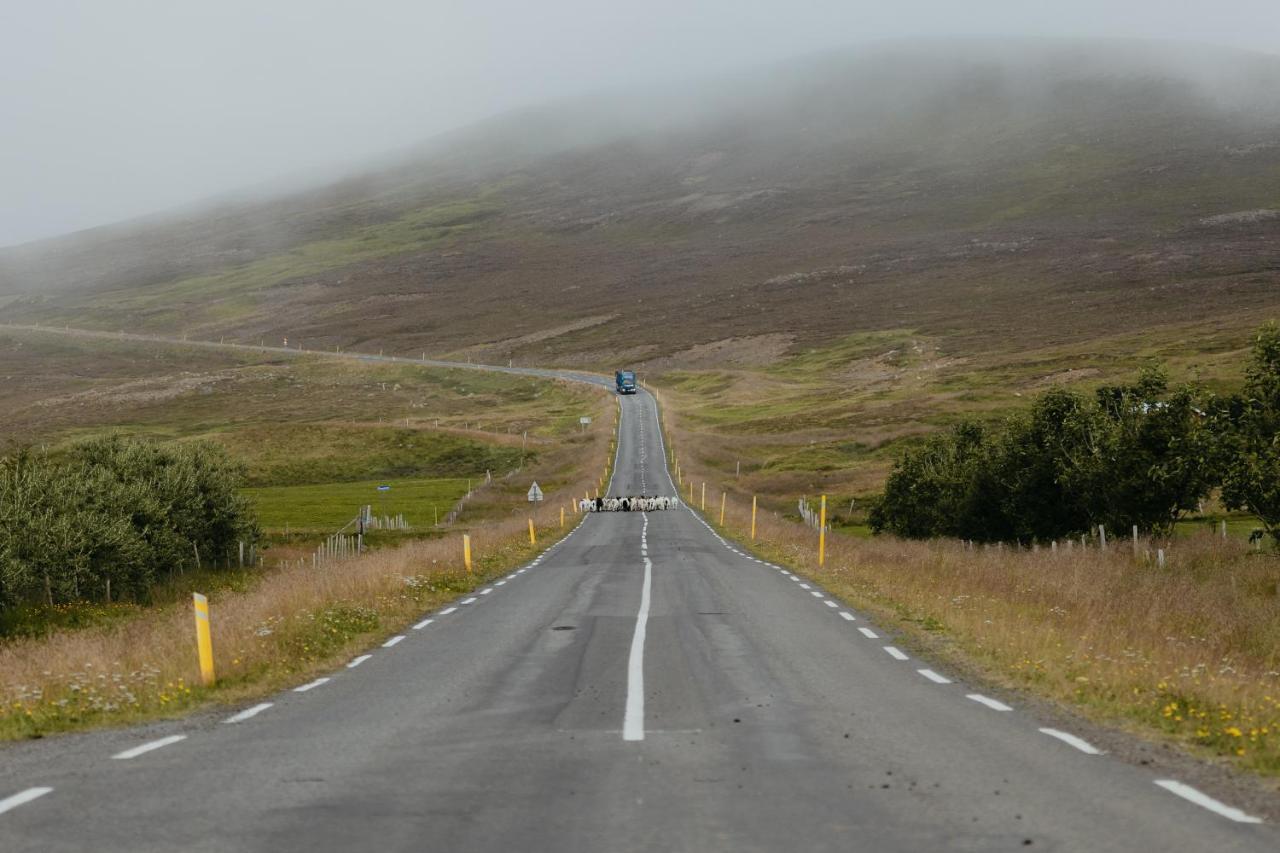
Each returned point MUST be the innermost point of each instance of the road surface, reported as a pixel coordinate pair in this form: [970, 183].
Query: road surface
[644, 685]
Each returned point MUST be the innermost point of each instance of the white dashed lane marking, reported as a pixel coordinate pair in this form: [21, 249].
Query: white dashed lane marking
[1079, 743]
[389, 643]
[934, 677]
[846, 615]
[251, 712]
[311, 685]
[21, 798]
[869, 634]
[895, 653]
[357, 661]
[424, 623]
[148, 747]
[831, 604]
[448, 610]
[1205, 801]
[816, 594]
[993, 704]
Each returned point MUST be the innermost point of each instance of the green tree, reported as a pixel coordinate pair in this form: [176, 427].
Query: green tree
[942, 488]
[1249, 430]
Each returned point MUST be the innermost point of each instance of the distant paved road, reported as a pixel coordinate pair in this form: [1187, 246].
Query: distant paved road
[642, 686]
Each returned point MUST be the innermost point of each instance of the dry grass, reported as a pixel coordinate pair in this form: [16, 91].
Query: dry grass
[1189, 652]
[294, 622]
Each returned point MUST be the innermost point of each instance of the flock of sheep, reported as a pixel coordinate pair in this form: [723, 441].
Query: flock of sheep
[641, 503]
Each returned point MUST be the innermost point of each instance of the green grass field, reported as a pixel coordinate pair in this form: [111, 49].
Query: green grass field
[328, 506]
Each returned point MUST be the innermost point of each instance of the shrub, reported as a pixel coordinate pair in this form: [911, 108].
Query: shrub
[115, 511]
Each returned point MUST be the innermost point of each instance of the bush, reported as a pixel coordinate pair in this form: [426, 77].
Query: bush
[1135, 455]
[118, 511]
[1248, 427]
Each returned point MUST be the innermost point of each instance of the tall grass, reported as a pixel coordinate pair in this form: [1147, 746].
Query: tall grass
[1189, 651]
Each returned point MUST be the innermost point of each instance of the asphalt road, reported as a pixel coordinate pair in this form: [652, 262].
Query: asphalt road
[642, 686]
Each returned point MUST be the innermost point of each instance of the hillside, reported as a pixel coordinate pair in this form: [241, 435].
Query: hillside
[990, 196]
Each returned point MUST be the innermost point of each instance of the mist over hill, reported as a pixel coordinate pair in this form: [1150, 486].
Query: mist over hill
[975, 190]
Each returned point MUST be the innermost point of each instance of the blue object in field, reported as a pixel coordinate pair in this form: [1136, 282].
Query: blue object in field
[625, 380]
[384, 488]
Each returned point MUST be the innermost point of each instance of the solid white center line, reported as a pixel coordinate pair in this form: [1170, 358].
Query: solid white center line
[249, 712]
[846, 615]
[1207, 802]
[311, 685]
[1079, 743]
[147, 747]
[357, 661]
[22, 797]
[447, 611]
[993, 704]
[633, 720]
[895, 653]
[934, 677]
[831, 604]
[424, 623]
[869, 634]
[389, 643]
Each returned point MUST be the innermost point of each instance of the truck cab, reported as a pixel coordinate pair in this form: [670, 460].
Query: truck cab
[625, 380]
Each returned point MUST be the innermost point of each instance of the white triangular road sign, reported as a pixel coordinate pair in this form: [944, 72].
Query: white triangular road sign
[535, 494]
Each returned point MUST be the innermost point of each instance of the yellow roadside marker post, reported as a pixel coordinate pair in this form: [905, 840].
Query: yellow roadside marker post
[691, 492]
[562, 518]
[753, 518]
[822, 532]
[533, 539]
[723, 495]
[204, 639]
[466, 551]
[704, 496]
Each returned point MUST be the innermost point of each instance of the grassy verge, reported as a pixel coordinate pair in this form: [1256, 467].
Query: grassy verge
[1188, 652]
[282, 626]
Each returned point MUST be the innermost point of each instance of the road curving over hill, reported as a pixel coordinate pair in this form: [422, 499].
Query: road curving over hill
[643, 685]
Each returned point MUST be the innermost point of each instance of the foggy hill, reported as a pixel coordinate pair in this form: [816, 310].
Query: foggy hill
[1021, 189]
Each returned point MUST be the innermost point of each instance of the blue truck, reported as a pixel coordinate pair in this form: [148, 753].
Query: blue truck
[625, 380]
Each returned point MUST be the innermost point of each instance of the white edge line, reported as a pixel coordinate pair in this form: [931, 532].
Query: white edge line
[148, 747]
[471, 600]
[249, 712]
[934, 677]
[22, 797]
[311, 685]
[830, 603]
[869, 634]
[844, 614]
[1071, 740]
[424, 623]
[993, 704]
[355, 662]
[1205, 801]
[389, 643]
[895, 653]
[447, 611]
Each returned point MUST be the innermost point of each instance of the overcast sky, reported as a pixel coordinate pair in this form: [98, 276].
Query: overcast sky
[114, 108]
